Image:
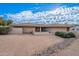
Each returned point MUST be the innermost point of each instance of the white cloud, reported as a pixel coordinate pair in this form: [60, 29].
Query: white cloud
[1, 15]
[59, 15]
[22, 14]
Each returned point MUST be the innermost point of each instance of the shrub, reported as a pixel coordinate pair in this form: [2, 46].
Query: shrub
[4, 29]
[61, 34]
[57, 33]
[5, 26]
[70, 35]
[9, 22]
[65, 35]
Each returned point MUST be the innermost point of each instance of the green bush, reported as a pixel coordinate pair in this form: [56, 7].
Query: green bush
[5, 26]
[61, 34]
[4, 29]
[71, 34]
[65, 35]
[57, 33]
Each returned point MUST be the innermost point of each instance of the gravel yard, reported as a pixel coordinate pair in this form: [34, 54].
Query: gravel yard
[25, 44]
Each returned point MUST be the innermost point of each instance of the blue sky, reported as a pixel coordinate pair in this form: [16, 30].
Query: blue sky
[12, 8]
[37, 11]
[18, 7]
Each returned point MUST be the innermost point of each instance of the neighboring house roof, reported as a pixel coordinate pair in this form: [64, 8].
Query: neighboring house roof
[41, 25]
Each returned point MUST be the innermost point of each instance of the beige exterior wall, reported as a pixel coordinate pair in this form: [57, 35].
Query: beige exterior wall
[41, 33]
[56, 29]
[28, 30]
[51, 30]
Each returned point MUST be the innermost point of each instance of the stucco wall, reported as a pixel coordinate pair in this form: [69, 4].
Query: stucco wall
[51, 30]
[28, 30]
[56, 29]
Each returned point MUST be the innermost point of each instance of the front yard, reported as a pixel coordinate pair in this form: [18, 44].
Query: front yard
[26, 44]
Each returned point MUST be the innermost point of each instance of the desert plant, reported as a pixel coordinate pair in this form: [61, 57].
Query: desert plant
[9, 22]
[65, 35]
[1, 20]
[5, 26]
[57, 33]
[4, 29]
[70, 35]
[61, 34]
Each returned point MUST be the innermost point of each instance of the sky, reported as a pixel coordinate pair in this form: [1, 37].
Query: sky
[17, 10]
[18, 7]
[11, 8]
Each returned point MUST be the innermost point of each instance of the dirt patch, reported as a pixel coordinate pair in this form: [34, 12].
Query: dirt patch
[25, 44]
[54, 49]
[72, 50]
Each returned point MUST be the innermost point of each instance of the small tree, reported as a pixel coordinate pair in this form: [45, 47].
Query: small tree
[1, 20]
[4, 26]
[9, 22]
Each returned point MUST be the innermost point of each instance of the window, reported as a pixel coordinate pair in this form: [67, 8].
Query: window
[37, 29]
[43, 29]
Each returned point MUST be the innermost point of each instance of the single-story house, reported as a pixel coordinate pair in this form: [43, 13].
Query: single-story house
[42, 28]
[75, 28]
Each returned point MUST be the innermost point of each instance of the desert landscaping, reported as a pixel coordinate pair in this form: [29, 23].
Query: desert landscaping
[18, 44]
[39, 29]
[71, 50]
